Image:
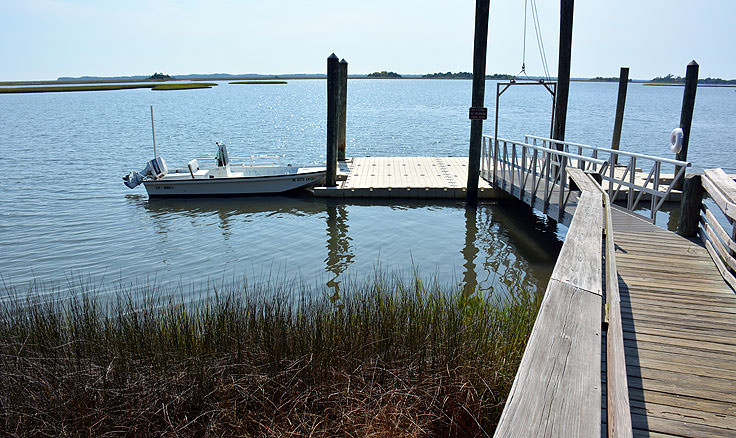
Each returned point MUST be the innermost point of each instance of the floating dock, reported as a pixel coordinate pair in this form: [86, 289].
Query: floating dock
[405, 178]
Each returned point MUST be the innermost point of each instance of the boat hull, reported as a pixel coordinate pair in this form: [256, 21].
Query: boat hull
[243, 186]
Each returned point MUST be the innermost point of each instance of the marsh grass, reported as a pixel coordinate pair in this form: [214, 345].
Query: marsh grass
[104, 87]
[257, 82]
[382, 358]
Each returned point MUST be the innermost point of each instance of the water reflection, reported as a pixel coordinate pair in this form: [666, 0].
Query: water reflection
[339, 250]
[470, 250]
[496, 246]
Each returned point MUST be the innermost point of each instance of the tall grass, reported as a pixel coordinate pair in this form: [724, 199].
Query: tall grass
[384, 358]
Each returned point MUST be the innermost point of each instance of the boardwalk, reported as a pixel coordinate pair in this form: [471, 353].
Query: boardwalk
[679, 322]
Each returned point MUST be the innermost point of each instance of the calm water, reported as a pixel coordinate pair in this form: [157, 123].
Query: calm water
[66, 213]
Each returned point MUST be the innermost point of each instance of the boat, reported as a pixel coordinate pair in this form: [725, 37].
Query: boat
[219, 176]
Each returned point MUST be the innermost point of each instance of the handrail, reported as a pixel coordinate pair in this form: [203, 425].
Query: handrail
[557, 389]
[617, 386]
[539, 171]
[721, 244]
[616, 151]
[627, 180]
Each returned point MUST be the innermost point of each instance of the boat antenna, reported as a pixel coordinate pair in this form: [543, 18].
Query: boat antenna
[153, 132]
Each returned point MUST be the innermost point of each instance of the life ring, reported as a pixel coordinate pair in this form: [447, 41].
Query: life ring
[676, 138]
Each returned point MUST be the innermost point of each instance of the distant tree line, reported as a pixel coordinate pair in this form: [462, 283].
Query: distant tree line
[159, 77]
[670, 79]
[463, 75]
[384, 75]
[606, 79]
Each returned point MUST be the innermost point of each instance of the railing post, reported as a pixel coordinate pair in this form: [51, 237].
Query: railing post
[653, 208]
[690, 204]
[611, 173]
[632, 175]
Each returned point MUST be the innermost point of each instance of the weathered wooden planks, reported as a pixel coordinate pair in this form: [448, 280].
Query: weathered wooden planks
[557, 389]
[679, 322]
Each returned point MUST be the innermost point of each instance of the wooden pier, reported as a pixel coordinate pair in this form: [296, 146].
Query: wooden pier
[636, 335]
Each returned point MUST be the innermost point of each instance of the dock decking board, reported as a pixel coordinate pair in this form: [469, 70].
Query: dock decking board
[679, 322]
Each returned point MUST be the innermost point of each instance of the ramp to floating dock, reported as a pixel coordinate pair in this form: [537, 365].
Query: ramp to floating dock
[405, 177]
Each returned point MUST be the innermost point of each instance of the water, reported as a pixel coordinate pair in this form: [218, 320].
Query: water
[66, 213]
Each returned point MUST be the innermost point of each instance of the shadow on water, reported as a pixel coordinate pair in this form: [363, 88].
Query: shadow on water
[505, 244]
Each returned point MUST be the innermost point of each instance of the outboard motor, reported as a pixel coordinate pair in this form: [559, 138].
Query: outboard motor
[223, 159]
[155, 169]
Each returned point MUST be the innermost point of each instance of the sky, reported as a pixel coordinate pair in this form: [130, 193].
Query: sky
[46, 39]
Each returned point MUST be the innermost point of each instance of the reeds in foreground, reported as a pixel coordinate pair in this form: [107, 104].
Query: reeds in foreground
[383, 359]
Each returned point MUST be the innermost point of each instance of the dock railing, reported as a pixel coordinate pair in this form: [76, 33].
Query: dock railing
[557, 389]
[639, 173]
[534, 174]
[719, 241]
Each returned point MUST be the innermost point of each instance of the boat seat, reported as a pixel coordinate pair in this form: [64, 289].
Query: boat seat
[194, 169]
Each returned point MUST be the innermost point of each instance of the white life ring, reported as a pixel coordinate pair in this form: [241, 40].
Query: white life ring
[676, 138]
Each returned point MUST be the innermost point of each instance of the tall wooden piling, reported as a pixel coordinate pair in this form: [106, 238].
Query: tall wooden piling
[690, 204]
[333, 67]
[623, 83]
[686, 114]
[482, 8]
[563, 69]
[342, 110]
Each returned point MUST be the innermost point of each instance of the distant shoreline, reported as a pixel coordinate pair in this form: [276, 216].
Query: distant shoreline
[673, 84]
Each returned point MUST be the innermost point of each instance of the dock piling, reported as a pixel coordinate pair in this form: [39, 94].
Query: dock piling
[686, 114]
[342, 109]
[563, 69]
[623, 83]
[332, 119]
[482, 8]
[692, 198]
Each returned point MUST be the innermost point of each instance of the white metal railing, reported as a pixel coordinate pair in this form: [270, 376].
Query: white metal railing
[538, 171]
[250, 161]
[629, 171]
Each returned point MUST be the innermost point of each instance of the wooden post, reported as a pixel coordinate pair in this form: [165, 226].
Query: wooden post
[690, 204]
[563, 70]
[686, 114]
[342, 110]
[623, 83]
[332, 119]
[482, 8]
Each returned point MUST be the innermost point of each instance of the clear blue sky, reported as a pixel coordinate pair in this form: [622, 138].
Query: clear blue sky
[45, 39]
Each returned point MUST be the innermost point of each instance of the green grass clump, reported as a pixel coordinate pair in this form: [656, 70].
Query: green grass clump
[256, 82]
[382, 358]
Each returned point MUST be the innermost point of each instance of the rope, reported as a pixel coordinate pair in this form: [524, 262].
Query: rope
[540, 43]
[523, 52]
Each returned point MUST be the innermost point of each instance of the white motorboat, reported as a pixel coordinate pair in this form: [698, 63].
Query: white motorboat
[257, 175]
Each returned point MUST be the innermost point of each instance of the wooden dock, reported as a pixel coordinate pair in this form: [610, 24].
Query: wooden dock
[669, 369]
[679, 324]
[404, 177]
